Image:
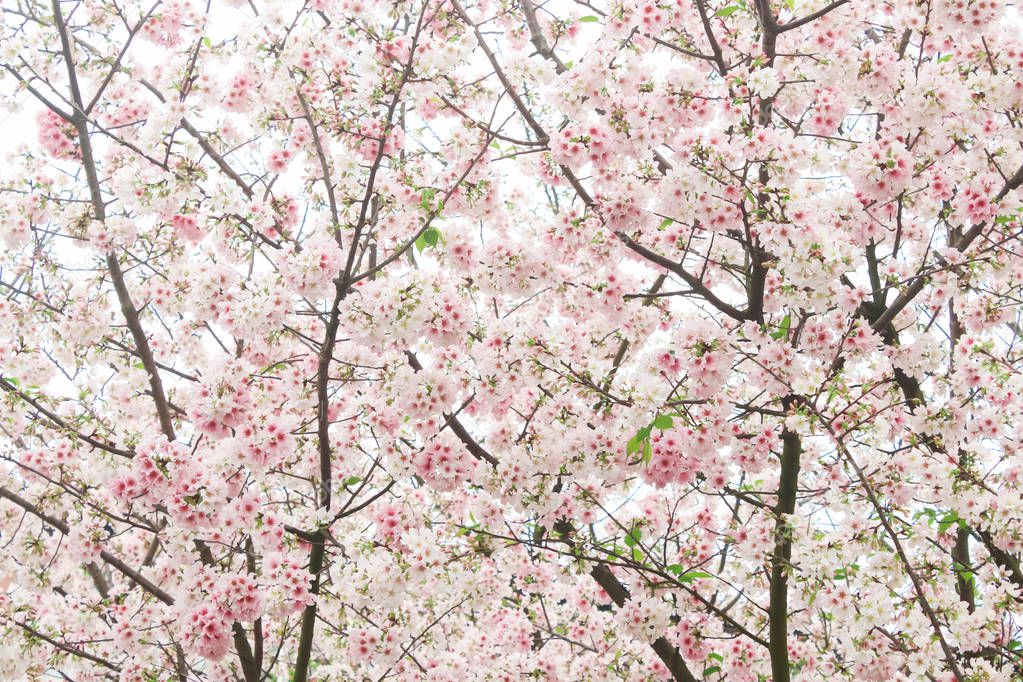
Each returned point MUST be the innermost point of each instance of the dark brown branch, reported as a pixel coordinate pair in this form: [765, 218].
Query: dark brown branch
[217, 157]
[536, 36]
[80, 122]
[803, 21]
[914, 289]
[250, 669]
[719, 60]
[1007, 561]
[61, 424]
[98, 579]
[324, 166]
[342, 285]
[914, 398]
[67, 648]
[117, 60]
[131, 318]
[107, 557]
[474, 448]
[781, 558]
[204, 143]
[665, 650]
[501, 76]
[694, 282]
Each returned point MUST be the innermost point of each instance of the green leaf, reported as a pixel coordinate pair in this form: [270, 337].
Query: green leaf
[664, 422]
[351, 480]
[929, 513]
[429, 237]
[207, 42]
[717, 657]
[693, 576]
[589, 19]
[633, 537]
[947, 521]
[427, 197]
[783, 330]
[844, 572]
[677, 569]
[641, 441]
[665, 223]
[711, 670]
[964, 573]
[727, 11]
[944, 58]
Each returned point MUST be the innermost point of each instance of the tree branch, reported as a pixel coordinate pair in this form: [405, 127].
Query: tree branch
[694, 282]
[781, 558]
[107, 557]
[128, 310]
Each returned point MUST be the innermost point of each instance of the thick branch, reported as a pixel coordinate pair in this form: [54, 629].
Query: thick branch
[719, 60]
[781, 559]
[914, 289]
[803, 21]
[67, 648]
[107, 557]
[61, 424]
[80, 122]
[342, 286]
[536, 36]
[665, 650]
[474, 448]
[694, 282]
[492, 58]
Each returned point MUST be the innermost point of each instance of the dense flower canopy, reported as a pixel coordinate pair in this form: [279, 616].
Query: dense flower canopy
[503, 340]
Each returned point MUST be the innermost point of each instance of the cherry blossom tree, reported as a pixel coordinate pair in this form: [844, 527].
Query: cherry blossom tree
[451, 340]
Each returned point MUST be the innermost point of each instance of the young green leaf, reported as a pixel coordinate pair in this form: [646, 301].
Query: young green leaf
[947, 521]
[783, 329]
[693, 576]
[664, 422]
